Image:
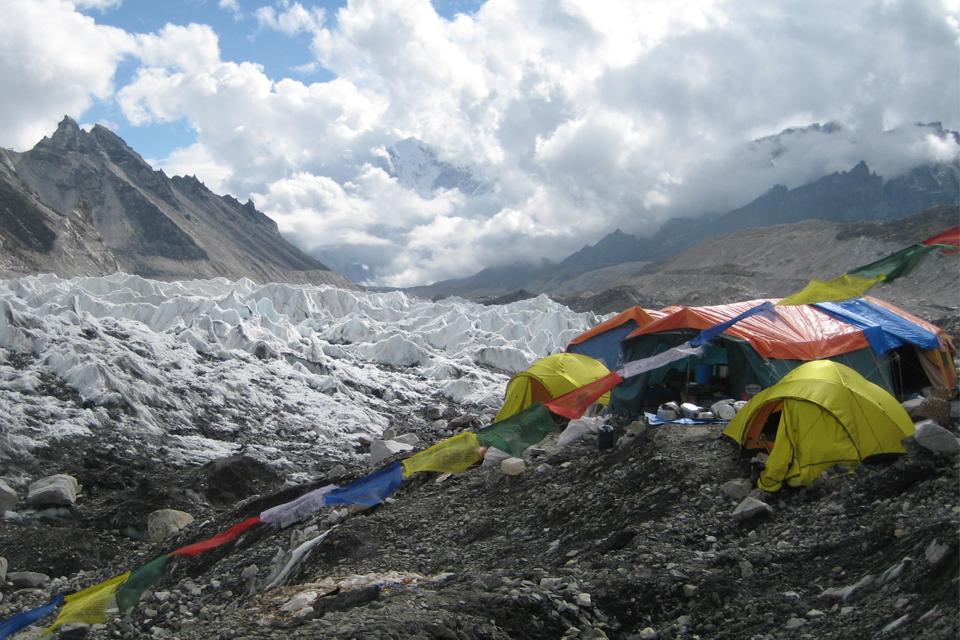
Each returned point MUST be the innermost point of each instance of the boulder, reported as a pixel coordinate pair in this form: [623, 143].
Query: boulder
[8, 497]
[750, 508]
[513, 466]
[338, 471]
[936, 552]
[408, 438]
[933, 437]
[163, 523]
[231, 479]
[27, 579]
[58, 489]
[736, 489]
[382, 449]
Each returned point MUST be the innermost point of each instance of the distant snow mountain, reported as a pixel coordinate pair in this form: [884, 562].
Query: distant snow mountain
[416, 166]
[85, 203]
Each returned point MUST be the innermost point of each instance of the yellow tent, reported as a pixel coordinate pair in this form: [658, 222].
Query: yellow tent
[548, 378]
[829, 415]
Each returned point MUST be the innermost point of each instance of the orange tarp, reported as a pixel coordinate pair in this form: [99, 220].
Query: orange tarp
[639, 315]
[799, 332]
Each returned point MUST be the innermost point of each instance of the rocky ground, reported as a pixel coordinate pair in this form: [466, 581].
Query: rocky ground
[635, 542]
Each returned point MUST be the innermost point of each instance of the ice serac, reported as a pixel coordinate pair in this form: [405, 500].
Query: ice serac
[85, 203]
[197, 367]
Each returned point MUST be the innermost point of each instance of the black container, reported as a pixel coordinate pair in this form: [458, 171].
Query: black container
[605, 436]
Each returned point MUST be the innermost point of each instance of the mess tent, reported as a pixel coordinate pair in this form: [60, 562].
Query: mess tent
[888, 346]
[602, 342]
[549, 378]
[821, 415]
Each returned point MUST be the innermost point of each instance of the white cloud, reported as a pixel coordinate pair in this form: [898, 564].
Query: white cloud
[291, 19]
[583, 116]
[99, 5]
[230, 5]
[53, 61]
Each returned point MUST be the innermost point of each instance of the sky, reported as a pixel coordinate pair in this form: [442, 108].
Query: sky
[578, 116]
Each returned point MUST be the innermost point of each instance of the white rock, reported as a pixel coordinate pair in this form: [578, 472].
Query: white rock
[408, 438]
[932, 436]
[815, 613]
[300, 601]
[936, 552]
[383, 449]
[795, 623]
[494, 457]
[648, 633]
[750, 508]
[736, 489]
[58, 489]
[845, 593]
[513, 466]
[163, 523]
[8, 497]
[583, 600]
[896, 624]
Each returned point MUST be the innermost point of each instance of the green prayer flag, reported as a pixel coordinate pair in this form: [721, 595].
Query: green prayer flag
[899, 264]
[142, 578]
[519, 431]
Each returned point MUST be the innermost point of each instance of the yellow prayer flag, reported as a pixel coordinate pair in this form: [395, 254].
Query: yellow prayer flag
[840, 288]
[88, 606]
[456, 454]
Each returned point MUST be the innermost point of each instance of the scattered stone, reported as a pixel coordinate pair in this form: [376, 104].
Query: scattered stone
[750, 508]
[388, 434]
[300, 601]
[845, 593]
[380, 450]
[689, 590]
[58, 489]
[795, 623]
[846, 611]
[746, 569]
[736, 489]
[408, 438]
[27, 579]
[438, 425]
[791, 595]
[931, 614]
[73, 631]
[464, 422]
[8, 497]
[896, 624]
[583, 600]
[894, 571]
[936, 552]
[933, 437]
[164, 523]
[513, 466]
[648, 633]
[337, 472]
[550, 584]
[3, 569]
[815, 613]
[433, 412]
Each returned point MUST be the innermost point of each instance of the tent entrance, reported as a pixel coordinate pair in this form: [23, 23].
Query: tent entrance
[762, 432]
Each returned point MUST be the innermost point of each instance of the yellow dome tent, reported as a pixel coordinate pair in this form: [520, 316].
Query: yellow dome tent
[548, 378]
[829, 415]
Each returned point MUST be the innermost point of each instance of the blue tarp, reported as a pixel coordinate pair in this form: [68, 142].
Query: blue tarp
[605, 346]
[884, 329]
[370, 489]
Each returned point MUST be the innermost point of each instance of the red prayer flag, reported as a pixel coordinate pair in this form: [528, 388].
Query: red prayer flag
[950, 236]
[223, 537]
[574, 403]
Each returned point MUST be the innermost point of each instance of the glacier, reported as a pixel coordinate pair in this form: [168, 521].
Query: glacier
[190, 371]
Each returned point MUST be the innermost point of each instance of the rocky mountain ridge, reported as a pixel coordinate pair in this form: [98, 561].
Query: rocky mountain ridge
[857, 194]
[85, 203]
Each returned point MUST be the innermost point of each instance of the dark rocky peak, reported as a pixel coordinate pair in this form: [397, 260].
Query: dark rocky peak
[116, 149]
[68, 137]
[190, 184]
